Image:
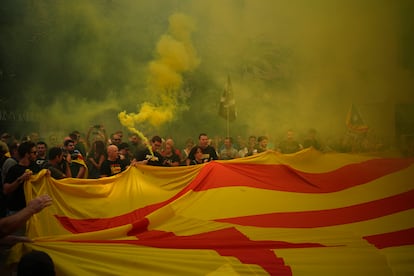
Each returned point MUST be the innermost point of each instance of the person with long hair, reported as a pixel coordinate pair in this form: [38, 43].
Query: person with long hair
[96, 156]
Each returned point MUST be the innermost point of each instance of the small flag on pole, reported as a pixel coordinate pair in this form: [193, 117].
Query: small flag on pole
[354, 121]
[227, 108]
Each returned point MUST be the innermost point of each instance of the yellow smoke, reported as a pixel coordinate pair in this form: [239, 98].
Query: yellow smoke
[175, 55]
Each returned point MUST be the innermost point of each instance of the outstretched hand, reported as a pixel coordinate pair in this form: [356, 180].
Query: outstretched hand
[39, 203]
[12, 240]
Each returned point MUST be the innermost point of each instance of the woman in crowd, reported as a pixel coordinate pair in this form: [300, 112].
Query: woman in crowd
[96, 156]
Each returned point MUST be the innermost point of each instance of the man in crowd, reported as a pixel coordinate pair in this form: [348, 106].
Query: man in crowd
[113, 164]
[41, 155]
[17, 175]
[228, 152]
[153, 158]
[58, 167]
[75, 159]
[209, 152]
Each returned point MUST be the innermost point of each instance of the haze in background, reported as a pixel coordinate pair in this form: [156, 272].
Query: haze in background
[293, 64]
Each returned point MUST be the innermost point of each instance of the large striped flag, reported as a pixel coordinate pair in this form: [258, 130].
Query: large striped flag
[307, 213]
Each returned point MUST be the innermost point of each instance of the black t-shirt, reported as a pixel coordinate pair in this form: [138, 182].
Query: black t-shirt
[209, 153]
[168, 160]
[58, 171]
[154, 160]
[16, 200]
[289, 146]
[109, 168]
[39, 164]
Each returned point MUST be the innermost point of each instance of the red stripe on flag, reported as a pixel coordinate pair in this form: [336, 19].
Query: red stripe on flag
[322, 218]
[285, 178]
[226, 242]
[392, 239]
[77, 226]
[270, 177]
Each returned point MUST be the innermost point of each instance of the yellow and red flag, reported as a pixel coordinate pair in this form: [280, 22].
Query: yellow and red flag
[307, 213]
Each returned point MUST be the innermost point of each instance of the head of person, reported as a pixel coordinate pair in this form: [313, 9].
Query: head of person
[27, 149]
[169, 141]
[203, 140]
[5, 137]
[189, 143]
[34, 136]
[36, 263]
[53, 140]
[198, 155]
[228, 142]
[120, 133]
[55, 154]
[69, 145]
[75, 135]
[116, 139]
[262, 141]
[156, 143]
[168, 148]
[252, 140]
[112, 151]
[123, 148]
[13, 149]
[134, 139]
[98, 146]
[41, 148]
[3, 148]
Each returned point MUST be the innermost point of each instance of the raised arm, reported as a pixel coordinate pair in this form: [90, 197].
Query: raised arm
[11, 223]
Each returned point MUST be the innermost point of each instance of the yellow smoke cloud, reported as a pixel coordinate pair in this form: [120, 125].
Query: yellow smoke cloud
[175, 55]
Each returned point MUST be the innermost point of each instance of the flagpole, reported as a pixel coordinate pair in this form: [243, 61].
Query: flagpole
[227, 102]
[228, 122]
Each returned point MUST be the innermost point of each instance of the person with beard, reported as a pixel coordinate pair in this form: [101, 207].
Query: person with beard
[41, 156]
[75, 159]
[17, 176]
[58, 167]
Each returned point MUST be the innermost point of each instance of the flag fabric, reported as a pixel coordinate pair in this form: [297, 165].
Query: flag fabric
[307, 213]
[81, 161]
[227, 108]
[354, 121]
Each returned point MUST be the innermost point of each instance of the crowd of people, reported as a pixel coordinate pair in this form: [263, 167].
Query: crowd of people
[100, 155]
[97, 155]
